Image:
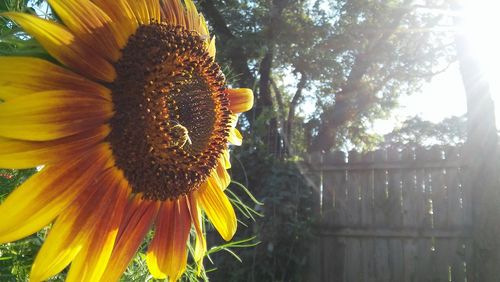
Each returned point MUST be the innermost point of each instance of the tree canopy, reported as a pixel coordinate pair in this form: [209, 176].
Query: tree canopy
[415, 131]
[350, 59]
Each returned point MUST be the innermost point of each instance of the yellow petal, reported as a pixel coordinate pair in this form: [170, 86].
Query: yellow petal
[233, 120]
[138, 218]
[240, 99]
[167, 253]
[145, 11]
[219, 177]
[222, 175]
[235, 137]
[203, 30]
[52, 115]
[192, 16]
[173, 12]
[17, 154]
[104, 217]
[124, 22]
[227, 163]
[201, 243]
[211, 47]
[59, 249]
[90, 24]
[192, 19]
[65, 46]
[77, 226]
[42, 197]
[24, 75]
[154, 10]
[218, 209]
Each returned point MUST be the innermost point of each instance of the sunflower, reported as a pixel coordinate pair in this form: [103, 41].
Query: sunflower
[131, 121]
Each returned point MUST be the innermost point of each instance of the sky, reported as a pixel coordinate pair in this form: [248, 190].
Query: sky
[444, 95]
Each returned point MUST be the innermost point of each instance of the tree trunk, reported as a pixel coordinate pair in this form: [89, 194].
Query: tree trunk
[481, 160]
[265, 102]
[291, 112]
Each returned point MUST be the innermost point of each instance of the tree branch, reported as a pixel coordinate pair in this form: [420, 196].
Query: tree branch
[343, 109]
[293, 106]
[279, 102]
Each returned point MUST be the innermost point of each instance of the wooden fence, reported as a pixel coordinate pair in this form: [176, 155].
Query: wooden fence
[390, 216]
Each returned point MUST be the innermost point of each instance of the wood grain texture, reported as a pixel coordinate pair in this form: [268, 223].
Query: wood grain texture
[392, 215]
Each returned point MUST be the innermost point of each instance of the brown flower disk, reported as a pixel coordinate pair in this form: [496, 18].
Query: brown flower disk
[171, 112]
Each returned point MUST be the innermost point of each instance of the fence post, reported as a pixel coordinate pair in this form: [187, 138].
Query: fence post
[353, 212]
[315, 262]
[412, 200]
[367, 244]
[438, 193]
[458, 247]
[334, 215]
[395, 215]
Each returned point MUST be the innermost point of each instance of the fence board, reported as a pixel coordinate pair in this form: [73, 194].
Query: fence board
[380, 192]
[392, 216]
[334, 264]
[353, 260]
[424, 260]
[410, 196]
[380, 197]
[455, 217]
[468, 258]
[410, 260]
[394, 200]
[454, 193]
[438, 190]
[354, 183]
[440, 256]
[340, 214]
[442, 260]
[367, 261]
[395, 216]
[315, 180]
[353, 213]
[366, 195]
[328, 196]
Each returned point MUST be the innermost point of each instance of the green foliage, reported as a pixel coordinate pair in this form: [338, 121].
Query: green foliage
[417, 132]
[10, 179]
[357, 56]
[138, 270]
[284, 230]
[13, 40]
[16, 258]
[13, 5]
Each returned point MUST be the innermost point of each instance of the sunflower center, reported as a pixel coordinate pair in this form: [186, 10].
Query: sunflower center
[171, 112]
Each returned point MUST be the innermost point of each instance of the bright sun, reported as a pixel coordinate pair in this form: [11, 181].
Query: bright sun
[480, 26]
[481, 23]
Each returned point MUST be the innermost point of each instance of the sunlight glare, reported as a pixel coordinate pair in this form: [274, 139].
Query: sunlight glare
[480, 26]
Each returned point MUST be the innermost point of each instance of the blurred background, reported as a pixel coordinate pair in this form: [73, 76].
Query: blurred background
[370, 153]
